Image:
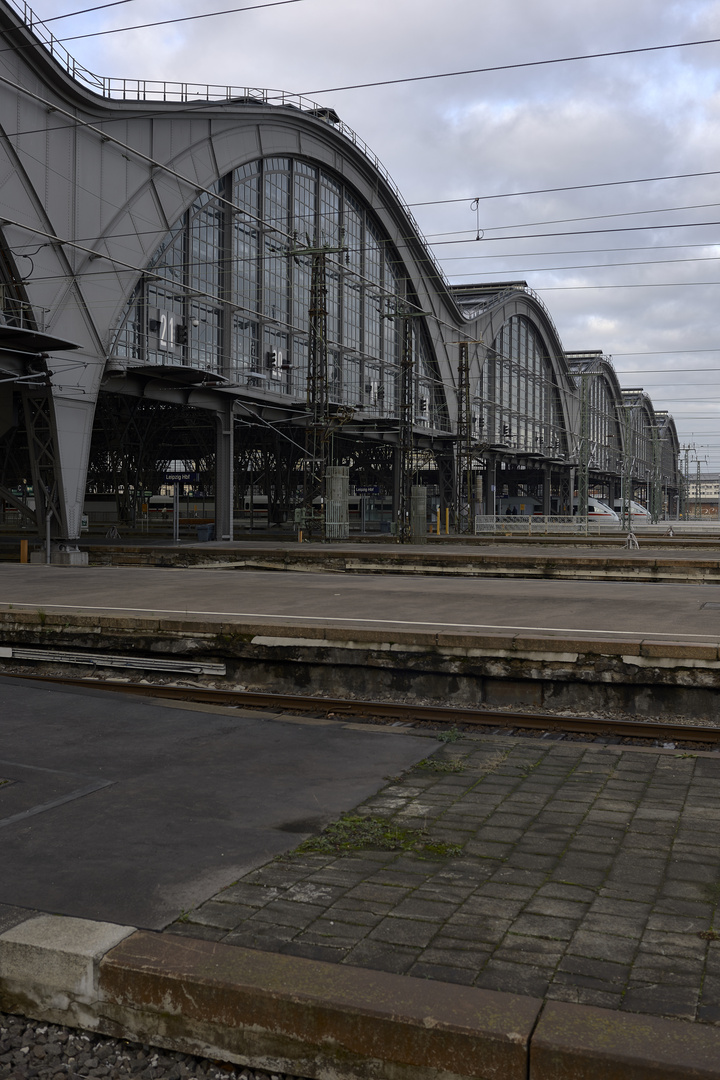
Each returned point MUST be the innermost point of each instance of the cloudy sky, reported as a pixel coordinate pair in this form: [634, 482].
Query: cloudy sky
[627, 268]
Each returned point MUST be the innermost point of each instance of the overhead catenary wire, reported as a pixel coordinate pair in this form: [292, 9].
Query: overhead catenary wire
[86, 11]
[177, 19]
[515, 66]
[213, 193]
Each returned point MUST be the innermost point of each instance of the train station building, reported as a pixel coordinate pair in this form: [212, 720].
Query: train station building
[229, 278]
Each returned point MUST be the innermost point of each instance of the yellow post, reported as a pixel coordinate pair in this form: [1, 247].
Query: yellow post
[23, 551]
[447, 520]
[438, 520]
[299, 536]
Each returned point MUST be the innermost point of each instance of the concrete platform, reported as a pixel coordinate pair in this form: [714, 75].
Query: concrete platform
[681, 560]
[618, 610]
[644, 647]
[124, 811]
[571, 937]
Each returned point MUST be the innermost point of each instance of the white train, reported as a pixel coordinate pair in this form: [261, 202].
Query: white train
[638, 514]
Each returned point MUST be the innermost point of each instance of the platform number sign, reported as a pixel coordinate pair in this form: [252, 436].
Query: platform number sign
[169, 330]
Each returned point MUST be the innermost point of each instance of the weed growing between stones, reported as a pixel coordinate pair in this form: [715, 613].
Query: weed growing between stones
[437, 765]
[354, 833]
[451, 735]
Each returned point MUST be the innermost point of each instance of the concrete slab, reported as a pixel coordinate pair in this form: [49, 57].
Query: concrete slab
[127, 812]
[618, 610]
[313, 1019]
[49, 963]
[576, 1042]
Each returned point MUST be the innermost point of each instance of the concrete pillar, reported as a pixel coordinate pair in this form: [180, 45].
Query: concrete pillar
[418, 514]
[479, 495]
[337, 514]
[490, 495]
[396, 479]
[224, 461]
[547, 490]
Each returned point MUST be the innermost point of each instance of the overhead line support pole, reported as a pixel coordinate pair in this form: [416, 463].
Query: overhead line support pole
[320, 423]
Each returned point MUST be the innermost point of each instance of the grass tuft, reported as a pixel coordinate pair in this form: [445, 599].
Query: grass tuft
[355, 833]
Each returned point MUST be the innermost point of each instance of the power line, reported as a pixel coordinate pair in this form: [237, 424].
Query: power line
[569, 187]
[85, 11]
[579, 232]
[582, 251]
[514, 67]
[592, 266]
[648, 285]
[600, 217]
[179, 19]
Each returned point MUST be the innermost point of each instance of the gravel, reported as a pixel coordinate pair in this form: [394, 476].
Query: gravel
[32, 1050]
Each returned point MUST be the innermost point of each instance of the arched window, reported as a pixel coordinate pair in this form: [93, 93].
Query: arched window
[521, 408]
[229, 291]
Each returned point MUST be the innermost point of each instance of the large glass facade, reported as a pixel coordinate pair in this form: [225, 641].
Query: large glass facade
[640, 436]
[229, 291]
[598, 401]
[518, 393]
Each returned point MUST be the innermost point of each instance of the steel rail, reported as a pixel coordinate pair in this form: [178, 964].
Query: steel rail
[408, 713]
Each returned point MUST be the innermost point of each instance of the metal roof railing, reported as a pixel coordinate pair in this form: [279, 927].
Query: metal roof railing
[148, 90]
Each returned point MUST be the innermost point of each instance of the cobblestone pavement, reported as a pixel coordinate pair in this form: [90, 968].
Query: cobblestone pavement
[590, 873]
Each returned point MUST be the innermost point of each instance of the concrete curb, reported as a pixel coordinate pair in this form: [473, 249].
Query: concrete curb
[329, 1021]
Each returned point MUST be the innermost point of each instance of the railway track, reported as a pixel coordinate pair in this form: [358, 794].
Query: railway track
[498, 722]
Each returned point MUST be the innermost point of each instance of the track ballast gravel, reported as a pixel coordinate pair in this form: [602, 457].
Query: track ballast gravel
[33, 1050]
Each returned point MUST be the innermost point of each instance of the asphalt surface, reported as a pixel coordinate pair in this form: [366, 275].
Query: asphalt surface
[614, 609]
[130, 812]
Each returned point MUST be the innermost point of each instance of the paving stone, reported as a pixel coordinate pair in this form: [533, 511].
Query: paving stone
[514, 978]
[405, 932]
[443, 972]
[413, 907]
[373, 891]
[620, 925]
[459, 958]
[519, 949]
[360, 914]
[488, 849]
[223, 916]
[622, 906]
[286, 913]
[340, 932]
[556, 908]
[535, 862]
[258, 936]
[677, 1001]
[694, 909]
[622, 890]
[544, 926]
[516, 875]
[678, 924]
[333, 954]
[243, 892]
[376, 955]
[602, 946]
[196, 930]
[505, 890]
[584, 995]
[562, 889]
[673, 970]
[595, 971]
